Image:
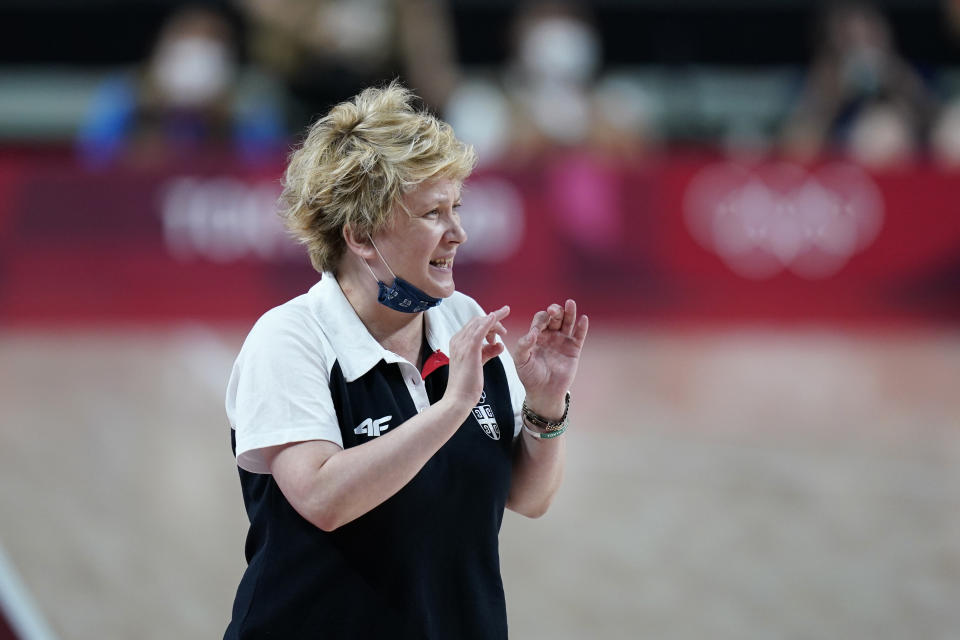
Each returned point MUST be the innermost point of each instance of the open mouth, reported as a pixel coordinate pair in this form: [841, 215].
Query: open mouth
[442, 263]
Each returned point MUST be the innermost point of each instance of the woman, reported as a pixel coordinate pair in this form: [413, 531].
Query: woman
[380, 433]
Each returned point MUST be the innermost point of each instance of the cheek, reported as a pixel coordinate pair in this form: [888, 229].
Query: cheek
[427, 237]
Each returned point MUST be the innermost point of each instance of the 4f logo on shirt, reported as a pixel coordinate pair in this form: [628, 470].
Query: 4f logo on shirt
[373, 428]
[484, 416]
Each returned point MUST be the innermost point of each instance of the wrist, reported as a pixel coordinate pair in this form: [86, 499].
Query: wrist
[550, 408]
[460, 394]
[457, 406]
[556, 422]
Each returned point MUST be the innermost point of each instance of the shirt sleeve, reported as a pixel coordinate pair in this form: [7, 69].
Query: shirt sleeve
[279, 389]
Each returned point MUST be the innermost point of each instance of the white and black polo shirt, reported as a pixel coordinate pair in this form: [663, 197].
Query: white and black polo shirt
[425, 563]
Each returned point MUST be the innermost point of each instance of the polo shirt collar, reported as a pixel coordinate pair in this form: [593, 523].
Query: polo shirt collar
[357, 351]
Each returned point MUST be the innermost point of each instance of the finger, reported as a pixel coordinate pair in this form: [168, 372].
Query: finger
[491, 351]
[497, 330]
[471, 335]
[492, 319]
[487, 322]
[540, 321]
[475, 330]
[580, 334]
[569, 317]
[525, 345]
[556, 317]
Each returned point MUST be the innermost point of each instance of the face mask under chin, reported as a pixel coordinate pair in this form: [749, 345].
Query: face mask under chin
[401, 295]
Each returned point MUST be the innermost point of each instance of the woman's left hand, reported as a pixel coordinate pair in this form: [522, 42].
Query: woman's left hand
[547, 356]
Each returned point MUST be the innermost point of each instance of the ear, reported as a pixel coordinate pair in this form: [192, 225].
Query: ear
[358, 244]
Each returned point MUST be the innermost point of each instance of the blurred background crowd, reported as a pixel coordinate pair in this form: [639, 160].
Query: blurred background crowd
[876, 80]
[756, 202]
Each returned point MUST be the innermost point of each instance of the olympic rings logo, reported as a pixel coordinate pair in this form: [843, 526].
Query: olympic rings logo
[770, 218]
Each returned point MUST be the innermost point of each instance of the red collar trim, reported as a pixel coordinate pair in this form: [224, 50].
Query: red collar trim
[436, 360]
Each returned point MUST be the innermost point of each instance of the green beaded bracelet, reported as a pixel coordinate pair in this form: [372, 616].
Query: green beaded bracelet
[544, 435]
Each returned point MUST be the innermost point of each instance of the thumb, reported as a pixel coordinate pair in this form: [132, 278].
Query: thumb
[525, 345]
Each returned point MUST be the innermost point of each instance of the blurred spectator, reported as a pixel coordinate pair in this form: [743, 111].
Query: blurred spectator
[882, 135]
[327, 50]
[186, 97]
[557, 53]
[951, 10]
[552, 92]
[861, 95]
[945, 139]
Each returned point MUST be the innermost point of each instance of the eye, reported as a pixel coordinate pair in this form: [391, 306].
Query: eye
[432, 214]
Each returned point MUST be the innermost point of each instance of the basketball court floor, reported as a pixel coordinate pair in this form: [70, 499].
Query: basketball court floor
[730, 484]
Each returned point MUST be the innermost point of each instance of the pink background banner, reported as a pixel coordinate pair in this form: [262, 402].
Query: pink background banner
[672, 238]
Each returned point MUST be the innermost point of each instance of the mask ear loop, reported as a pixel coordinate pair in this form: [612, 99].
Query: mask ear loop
[381, 260]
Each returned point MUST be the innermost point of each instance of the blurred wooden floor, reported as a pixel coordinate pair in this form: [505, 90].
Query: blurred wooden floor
[726, 485]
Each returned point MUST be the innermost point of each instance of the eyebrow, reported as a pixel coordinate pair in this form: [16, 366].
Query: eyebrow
[439, 202]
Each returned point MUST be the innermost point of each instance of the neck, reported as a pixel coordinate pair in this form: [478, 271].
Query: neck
[401, 333]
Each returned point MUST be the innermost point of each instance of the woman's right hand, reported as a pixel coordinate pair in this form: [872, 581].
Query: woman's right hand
[471, 348]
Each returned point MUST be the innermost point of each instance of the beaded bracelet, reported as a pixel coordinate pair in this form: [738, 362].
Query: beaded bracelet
[548, 425]
[544, 435]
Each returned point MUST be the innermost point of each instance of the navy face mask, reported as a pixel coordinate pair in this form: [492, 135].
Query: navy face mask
[401, 295]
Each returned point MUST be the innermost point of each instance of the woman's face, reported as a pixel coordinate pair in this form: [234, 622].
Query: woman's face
[420, 246]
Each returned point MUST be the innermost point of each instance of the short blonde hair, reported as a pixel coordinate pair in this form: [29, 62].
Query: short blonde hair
[357, 162]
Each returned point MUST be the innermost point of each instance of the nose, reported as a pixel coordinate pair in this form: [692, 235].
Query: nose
[455, 232]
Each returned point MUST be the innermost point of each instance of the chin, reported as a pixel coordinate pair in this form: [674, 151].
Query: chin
[442, 287]
[444, 292]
